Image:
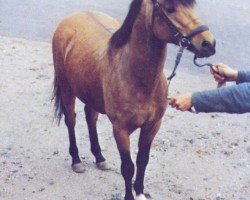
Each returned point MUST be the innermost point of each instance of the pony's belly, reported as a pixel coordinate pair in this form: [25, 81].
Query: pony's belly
[95, 102]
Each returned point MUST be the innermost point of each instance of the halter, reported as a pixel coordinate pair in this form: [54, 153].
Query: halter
[184, 41]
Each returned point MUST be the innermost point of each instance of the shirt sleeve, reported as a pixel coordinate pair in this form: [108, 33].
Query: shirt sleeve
[232, 99]
[244, 76]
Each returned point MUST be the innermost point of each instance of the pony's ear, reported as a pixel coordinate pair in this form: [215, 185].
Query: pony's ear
[149, 16]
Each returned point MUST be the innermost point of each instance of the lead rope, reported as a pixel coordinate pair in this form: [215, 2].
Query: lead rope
[200, 65]
[177, 62]
[173, 74]
[222, 84]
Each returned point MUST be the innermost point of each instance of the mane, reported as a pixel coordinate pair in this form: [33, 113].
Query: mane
[122, 35]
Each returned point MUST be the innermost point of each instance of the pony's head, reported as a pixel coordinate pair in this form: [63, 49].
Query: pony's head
[163, 19]
[173, 19]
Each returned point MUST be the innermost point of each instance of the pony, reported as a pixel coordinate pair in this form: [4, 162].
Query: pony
[117, 70]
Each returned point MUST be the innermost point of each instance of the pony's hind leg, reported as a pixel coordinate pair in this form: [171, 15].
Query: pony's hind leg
[68, 106]
[65, 104]
[91, 118]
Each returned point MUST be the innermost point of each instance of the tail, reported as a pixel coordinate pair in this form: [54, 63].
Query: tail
[58, 106]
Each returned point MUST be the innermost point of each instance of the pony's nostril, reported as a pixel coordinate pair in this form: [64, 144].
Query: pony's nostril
[206, 44]
[207, 48]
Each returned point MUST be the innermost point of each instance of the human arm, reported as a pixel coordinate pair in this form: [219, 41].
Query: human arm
[222, 73]
[232, 99]
[243, 77]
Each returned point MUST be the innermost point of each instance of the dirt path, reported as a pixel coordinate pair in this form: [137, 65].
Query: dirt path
[193, 157]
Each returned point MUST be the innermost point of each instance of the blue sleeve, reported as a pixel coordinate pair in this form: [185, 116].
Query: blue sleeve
[232, 99]
[244, 76]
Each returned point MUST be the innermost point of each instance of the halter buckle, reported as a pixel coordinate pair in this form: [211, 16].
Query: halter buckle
[156, 5]
[184, 42]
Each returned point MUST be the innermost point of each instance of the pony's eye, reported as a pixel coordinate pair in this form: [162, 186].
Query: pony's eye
[171, 10]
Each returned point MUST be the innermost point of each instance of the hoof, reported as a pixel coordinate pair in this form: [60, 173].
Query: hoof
[78, 168]
[103, 166]
[140, 197]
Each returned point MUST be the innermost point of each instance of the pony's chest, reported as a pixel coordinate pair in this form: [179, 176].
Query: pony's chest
[133, 108]
[136, 115]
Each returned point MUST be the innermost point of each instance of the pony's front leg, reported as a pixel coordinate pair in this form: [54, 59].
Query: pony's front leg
[127, 166]
[147, 135]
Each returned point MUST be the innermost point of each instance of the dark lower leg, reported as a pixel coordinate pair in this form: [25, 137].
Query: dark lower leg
[91, 118]
[127, 170]
[141, 162]
[73, 150]
[127, 166]
[147, 135]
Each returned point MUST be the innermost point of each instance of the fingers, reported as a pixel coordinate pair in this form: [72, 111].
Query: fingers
[219, 68]
[173, 103]
[181, 102]
[225, 71]
[214, 69]
[218, 74]
[180, 107]
[218, 78]
[220, 65]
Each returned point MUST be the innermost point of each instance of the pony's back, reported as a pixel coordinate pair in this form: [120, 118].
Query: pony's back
[86, 28]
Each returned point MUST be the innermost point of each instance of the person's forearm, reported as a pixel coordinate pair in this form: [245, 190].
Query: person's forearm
[243, 76]
[233, 99]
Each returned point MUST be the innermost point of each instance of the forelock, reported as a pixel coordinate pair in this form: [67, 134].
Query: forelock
[182, 2]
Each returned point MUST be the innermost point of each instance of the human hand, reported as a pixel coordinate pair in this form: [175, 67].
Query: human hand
[223, 73]
[182, 102]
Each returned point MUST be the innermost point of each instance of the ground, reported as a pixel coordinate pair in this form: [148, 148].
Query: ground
[194, 156]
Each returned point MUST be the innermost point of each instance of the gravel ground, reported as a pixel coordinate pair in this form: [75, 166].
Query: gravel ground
[194, 156]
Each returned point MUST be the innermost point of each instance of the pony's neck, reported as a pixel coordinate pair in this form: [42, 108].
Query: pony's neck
[147, 55]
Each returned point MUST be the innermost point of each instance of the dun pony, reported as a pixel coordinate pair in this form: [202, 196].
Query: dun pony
[118, 71]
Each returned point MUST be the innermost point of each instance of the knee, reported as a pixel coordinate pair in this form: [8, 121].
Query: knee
[90, 115]
[70, 121]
